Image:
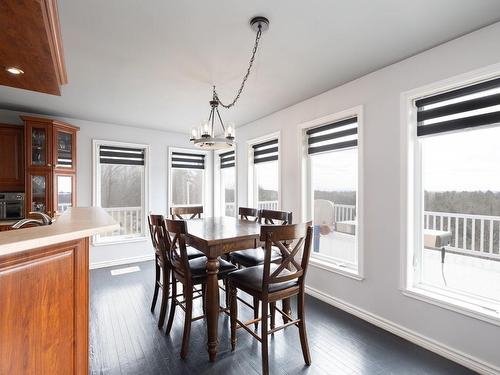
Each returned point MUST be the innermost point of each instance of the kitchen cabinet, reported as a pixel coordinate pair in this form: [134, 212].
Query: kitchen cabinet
[50, 165]
[11, 158]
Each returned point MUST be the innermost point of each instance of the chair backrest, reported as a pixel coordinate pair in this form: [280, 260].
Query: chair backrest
[271, 216]
[153, 222]
[179, 211]
[298, 238]
[250, 214]
[177, 253]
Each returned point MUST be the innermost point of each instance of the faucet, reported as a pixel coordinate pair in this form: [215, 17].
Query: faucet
[44, 219]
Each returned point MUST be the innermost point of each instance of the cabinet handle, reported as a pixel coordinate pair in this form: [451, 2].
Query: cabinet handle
[49, 165]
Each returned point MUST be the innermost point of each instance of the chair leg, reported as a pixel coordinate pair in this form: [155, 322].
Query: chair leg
[233, 303]
[203, 298]
[226, 292]
[188, 295]
[164, 297]
[302, 329]
[272, 307]
[256, 311]
[263, 336]
[172, 305]
[157, 287]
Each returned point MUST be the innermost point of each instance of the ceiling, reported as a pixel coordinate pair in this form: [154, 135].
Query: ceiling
[152, 63]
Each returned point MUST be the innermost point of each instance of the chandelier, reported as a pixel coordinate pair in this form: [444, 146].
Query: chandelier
[205, 136]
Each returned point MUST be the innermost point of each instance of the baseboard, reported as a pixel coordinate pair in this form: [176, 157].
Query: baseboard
[121, 261]
[414, 337]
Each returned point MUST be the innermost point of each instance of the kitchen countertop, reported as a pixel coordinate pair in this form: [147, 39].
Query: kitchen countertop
[75, 223]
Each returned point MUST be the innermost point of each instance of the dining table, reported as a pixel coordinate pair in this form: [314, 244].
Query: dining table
[215, 237]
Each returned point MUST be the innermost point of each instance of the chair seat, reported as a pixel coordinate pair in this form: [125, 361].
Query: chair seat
[193, 253]
[251, 278]
[199, 267]
[254, 257]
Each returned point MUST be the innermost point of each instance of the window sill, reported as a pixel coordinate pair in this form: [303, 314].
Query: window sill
[119, 241]
[332, 267]
[472, 309]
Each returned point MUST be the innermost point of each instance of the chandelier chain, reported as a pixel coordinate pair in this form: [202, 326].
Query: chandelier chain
[256, 45]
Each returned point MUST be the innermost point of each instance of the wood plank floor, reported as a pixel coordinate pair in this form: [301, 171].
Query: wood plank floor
[125, 339]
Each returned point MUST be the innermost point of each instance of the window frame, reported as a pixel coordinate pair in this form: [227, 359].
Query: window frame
[218, 210]
[252, 196]
[307, 198]
[96, 188]
[412, 202]
[206, 177]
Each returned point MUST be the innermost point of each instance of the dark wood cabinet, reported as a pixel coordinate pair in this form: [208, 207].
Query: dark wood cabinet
[50, 165]
[11, 158]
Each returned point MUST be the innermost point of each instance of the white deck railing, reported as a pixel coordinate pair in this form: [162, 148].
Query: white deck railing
[267, 205]
[476, 235]
[129, 218]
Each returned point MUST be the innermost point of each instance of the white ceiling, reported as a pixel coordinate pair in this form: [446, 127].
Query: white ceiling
[152, 63]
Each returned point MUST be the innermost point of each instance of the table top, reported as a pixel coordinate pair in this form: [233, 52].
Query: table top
[219, 230]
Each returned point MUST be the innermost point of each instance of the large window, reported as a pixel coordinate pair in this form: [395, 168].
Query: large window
[227, 183]
[332, 183]
[265, 182]
[456, 200]
[187, 179]
[120, 188]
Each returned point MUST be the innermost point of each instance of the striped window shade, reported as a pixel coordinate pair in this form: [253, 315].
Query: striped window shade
[187, 160]
[265, 151]
[337, 135]
[467, 107]
[121, 155]
[227, 159]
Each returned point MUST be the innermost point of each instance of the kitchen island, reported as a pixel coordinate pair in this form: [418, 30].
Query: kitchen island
[44, 298]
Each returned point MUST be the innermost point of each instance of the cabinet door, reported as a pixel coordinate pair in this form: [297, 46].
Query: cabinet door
[38, 145]
[38, 197]
[64, 192]
[12, 158]
[64, 152]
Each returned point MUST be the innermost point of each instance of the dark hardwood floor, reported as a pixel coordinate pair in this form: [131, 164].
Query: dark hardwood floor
[125, 339]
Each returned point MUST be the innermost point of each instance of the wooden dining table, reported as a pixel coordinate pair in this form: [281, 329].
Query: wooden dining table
[216, 236]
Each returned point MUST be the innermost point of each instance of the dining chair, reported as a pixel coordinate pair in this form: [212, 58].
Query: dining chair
[271, 282]
[190, 273]
[255, 257]
[160, 240]
[179, 212]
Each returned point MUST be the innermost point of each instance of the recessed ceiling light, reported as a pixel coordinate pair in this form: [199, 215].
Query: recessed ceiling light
[14, 70]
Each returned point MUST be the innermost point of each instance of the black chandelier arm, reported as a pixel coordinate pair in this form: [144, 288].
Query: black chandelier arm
[220, 119]
[256, 45]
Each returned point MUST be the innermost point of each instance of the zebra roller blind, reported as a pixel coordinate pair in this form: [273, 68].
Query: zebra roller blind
[467, 107]
[227, 159]
[265, 151]
[334, 136]
[188, 160]
[121, 155]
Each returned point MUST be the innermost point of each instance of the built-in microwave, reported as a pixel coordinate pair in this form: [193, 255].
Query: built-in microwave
[11, 206]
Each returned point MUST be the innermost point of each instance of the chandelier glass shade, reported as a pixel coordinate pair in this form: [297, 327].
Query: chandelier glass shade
[205, 137]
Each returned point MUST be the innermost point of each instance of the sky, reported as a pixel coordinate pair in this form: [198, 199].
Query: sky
[463, 161]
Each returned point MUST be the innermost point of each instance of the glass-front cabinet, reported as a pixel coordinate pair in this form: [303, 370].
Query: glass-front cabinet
[38, 136]
[64, 196]
[38, 192]
[51, 165]
[64, 148]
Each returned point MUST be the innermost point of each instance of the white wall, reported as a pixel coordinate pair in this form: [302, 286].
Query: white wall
[379, 94]
[158, 142]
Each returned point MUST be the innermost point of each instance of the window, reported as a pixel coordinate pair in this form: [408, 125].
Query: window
[265, 181]
[187, 178]
[227, 193]
[120, 188]
[332, 184]
[456, 199]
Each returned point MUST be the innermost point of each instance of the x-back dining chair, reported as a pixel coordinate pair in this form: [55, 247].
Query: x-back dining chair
[186, 212]
[271, 282]
[161, 244]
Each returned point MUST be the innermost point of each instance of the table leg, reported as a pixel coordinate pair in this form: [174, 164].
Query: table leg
[212, 306]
